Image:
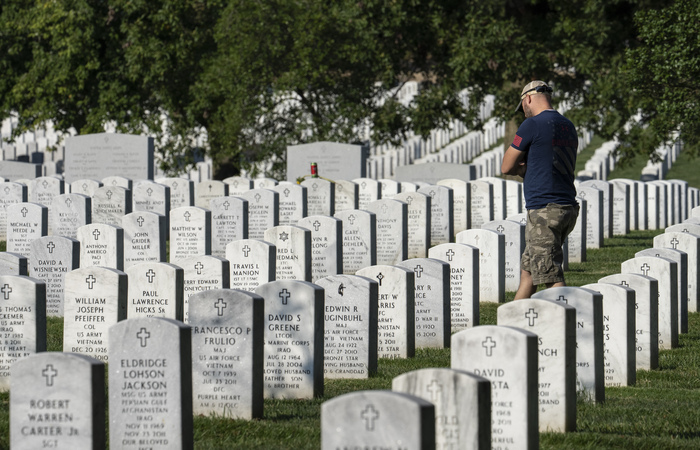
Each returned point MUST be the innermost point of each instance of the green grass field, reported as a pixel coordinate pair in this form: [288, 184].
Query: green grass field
[660, 412]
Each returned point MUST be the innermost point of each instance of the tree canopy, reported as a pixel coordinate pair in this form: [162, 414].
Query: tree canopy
[259, 76]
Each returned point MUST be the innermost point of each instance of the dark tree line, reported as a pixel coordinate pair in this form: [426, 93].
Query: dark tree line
[257, 76]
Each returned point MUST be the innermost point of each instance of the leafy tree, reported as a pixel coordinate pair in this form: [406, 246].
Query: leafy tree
[664, 74]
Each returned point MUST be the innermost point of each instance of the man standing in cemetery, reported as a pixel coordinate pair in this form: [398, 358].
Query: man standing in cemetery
[543, 153]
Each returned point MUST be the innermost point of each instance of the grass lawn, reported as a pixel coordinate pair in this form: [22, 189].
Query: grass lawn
[660, 412]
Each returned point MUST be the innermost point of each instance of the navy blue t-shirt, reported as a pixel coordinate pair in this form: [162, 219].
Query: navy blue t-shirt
[551, 143]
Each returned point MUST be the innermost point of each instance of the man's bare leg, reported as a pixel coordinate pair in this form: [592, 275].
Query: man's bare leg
[557, 284]
[526, 288]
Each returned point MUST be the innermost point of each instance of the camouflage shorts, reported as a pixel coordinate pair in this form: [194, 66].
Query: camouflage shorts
[545, 232]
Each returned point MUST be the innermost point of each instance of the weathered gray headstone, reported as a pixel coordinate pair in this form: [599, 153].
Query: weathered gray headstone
[359, 239]
[432, 172]
[346, 195]
[432, 301]
[190, 232]
[681, 260]
[392, 230]
[441, 214]
[368, 191]
[10, 194]
[252, 263]
[110, 204]
[554, 323]
[181, 191]
[320, 197]
[419, 219]
[646, 316]
[13, 264]
[238, 185]
[514, 234]
[396, 330]
[144, 238]
[292, 207]
[100, 155]
[51, 257]
[155, 290]
[101, 245]
[207, 190]
[152, 197]
[25, 223]
[590, 376]
[293, 339]
[23, 320]
[326, 245]
[492, 251]
[619, 332]
[85, 186]
[263, 211]
[68, 212]
[350, 326]
[95, 299]
[293, 256]
[507, 357]
[368, 419]
[689, 244]
[229, 222]
[461, 200]
[227, 353]
[202, 273]
[462, 405]
[57, 401]
[334, 160]
[16, 170]
[150, 384]
[666, 273]
[594, 215]
[482, 200]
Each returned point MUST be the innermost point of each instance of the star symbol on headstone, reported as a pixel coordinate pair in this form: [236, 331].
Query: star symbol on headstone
[284, 236]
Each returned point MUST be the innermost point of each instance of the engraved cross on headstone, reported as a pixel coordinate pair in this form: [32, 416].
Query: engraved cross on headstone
[6, 290]
[317, 225]
[500, 229]
[674, 243]
[287, 192]
[198, 267]
[109, 194]
[50, 246]
[409, 200]
[351, 219]
[434, 388]
[257, 198]
[645, 268]
[418, 270]
[369, 415]
[220, 305]
[149, 191]
[24, 212]
[450, 253]
[49, 373]
[96, 234]
[68, 202]
[187, 216]
[624, 283]
[150, 275]
[531, 315]
[489, 344]
[246, 250]
[90, 281]
[143, 335]
[226, 204]
[284, 295]
[563, 299]
[340, 289]
[140, 221]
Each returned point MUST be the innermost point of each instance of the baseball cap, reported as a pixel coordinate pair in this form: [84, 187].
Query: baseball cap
[536, 86]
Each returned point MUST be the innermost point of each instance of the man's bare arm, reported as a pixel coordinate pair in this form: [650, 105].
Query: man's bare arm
[513, 162]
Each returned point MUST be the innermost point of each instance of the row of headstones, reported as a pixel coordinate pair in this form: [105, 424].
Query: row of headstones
[623, 308]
